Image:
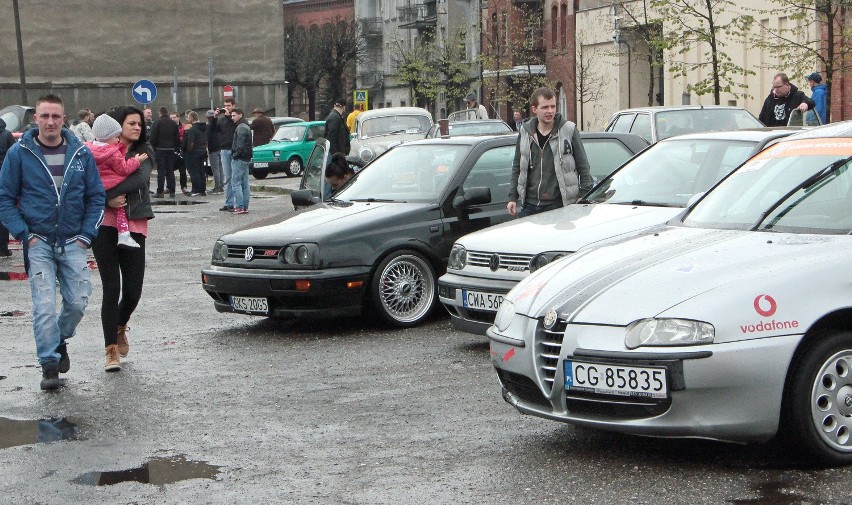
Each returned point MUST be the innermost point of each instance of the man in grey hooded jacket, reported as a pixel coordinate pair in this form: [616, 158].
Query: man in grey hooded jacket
[550, 169]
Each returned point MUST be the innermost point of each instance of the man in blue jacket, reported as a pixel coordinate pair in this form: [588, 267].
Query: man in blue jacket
[52, 200]
[818, 89]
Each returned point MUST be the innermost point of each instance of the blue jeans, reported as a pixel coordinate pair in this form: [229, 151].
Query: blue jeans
[215, 161]
[49, 264]
[240, 183]
[225, 156]
[529, 209]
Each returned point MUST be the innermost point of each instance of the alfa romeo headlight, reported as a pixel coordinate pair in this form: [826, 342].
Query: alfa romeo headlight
[504, 315]
[669, 332]
[458, 257]
[220, 251]
[541, 260]
[300, 254]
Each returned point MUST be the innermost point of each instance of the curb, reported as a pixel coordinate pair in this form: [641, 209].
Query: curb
[271, 189]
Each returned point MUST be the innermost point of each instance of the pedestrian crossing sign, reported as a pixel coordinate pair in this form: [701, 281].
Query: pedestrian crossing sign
[360, 98]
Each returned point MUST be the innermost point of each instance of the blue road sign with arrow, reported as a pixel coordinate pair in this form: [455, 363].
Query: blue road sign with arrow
[144, 91]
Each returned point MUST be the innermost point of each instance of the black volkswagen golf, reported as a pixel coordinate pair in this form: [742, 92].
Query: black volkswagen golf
[379, 243]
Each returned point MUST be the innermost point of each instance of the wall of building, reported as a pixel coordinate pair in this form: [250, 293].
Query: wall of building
[92, 51]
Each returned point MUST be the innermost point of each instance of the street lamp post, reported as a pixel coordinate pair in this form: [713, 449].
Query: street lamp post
[24, 100]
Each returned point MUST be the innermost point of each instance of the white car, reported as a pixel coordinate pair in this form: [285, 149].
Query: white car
[732, 322]
[651, 188]
[378, 129]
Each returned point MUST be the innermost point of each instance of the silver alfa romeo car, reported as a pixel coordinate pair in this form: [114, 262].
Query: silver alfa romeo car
[732, 322]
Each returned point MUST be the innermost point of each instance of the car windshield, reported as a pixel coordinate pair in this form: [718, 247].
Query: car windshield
[679, 122]
[797, 187]
[410, 173]
[669, 173]
[479, 128]
[395, 124]
[290, 133]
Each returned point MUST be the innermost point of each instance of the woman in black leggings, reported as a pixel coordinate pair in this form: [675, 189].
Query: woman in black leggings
[123, 270]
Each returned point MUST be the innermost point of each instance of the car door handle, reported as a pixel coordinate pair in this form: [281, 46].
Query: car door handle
[434, 228]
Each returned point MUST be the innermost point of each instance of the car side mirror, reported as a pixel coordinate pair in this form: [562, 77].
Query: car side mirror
[473, 196]
[303, 198]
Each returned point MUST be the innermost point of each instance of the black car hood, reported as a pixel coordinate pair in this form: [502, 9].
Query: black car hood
[326, 220]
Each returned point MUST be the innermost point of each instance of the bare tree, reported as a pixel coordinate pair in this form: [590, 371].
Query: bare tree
[589, 78]
[635, 19]
[815, 39]
[303, 61]
[344, 47]
[690, 24]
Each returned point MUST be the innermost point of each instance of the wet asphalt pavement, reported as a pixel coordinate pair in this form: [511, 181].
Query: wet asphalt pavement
[222, 408]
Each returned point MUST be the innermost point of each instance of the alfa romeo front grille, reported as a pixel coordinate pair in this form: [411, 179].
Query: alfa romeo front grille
[506, 261]
[548, 347]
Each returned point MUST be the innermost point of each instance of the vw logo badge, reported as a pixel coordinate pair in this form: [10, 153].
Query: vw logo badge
[249, 253]
[550, 319]
[494, 262]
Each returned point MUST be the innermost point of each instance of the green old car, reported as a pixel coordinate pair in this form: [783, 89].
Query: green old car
[287, 151]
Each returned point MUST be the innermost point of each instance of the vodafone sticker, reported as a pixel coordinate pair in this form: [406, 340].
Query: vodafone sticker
[765, 305]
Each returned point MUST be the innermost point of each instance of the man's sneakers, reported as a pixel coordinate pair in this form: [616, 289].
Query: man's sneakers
[50, 376]
[64, 360]
[113, 362]
[121, 341]
[239, 211]
[227, 208]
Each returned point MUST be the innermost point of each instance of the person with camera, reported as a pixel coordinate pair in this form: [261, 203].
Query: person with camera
[223, 128]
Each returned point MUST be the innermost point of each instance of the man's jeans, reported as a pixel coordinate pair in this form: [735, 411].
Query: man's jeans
[225, 156]
[48, 265]
[529, 209]
[215, 161]
[166, 159]
[240, 183]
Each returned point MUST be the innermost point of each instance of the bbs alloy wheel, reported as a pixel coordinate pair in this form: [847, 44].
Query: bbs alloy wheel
[404, 288]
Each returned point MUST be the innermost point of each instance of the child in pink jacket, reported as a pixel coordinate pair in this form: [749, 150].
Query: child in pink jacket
[109, 156]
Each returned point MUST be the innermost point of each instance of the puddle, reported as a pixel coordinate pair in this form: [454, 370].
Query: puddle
[176, 202]
[157, 471]
[14, 432]
[773, 493]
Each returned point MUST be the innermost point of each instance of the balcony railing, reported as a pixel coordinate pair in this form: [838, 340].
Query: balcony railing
[371, 27]
[419, 15]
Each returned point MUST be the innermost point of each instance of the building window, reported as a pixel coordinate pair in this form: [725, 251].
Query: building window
[506, 31]
[554, 26]
[563, 18]
[495, 35]
[402, 103]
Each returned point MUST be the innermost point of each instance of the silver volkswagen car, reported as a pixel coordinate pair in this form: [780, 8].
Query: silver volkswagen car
[648, 190]
[732, 322]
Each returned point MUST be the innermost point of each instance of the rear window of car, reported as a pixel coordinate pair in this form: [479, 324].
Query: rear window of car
[679, 122]
[395, 124]
[605, 155]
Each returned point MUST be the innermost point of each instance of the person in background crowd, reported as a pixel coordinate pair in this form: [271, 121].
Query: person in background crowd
[213, 156]
[335, 129]
[818, 90]
[165, 139]
[180, 162]
[350, 119]
[478, 111]
[194, 148]
[550, 168]
[261, 127]
[122, 270]
[517, 120]
[83, 128]
[782, 99]
[52, 200]
[223, 127]
[7, 140]
[109, 157]
[149, 122]
[241, 151]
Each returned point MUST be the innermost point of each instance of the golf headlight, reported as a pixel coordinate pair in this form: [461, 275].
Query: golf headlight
[300, 254]
[504, 315]
[458, 257]
[220, 251]
[541, 260]
[668, 332]
[366, 154]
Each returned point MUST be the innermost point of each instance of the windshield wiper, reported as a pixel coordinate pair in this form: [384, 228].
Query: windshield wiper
[807, 183]
[372, 200]
[643, 203]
